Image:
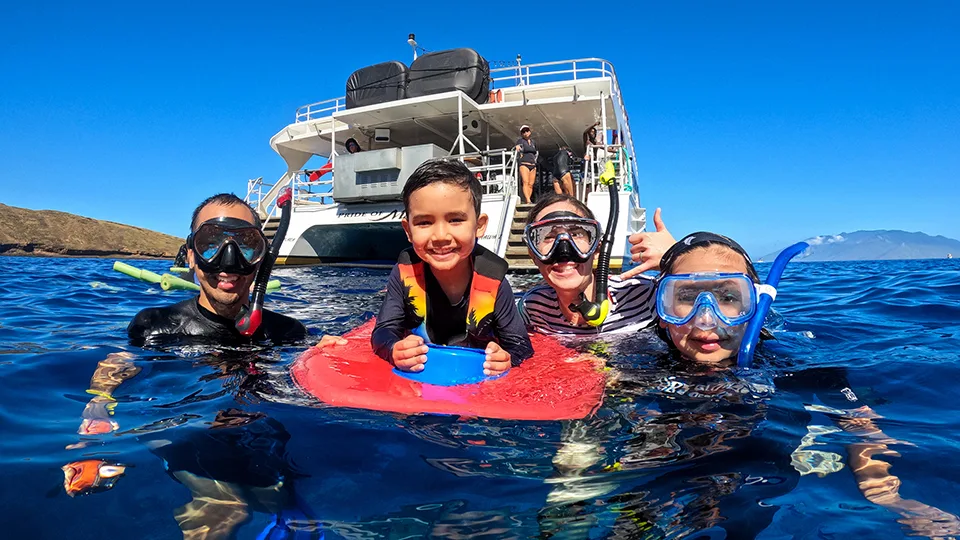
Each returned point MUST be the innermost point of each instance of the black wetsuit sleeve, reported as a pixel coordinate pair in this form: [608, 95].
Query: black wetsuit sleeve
[390, 327]
[511, 331]
[282, 329]
[149, 322]
[828, 385]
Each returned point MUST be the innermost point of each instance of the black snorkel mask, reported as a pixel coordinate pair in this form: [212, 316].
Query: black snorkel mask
[562, 236]
[228, 245]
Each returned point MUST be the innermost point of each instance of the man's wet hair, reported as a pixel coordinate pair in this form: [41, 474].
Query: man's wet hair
[445, 171]
[552, 198]
[224, 199]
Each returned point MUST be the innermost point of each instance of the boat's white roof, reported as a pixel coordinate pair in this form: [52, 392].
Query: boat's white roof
[557, 110]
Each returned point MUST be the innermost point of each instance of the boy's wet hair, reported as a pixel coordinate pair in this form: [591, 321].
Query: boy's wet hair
[554, 198]
[439, 170]
[224, 199]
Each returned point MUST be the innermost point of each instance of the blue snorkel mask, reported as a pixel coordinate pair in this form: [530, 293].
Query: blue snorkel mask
[708, 300]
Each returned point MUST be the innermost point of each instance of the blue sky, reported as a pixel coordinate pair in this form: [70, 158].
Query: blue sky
[765, 121]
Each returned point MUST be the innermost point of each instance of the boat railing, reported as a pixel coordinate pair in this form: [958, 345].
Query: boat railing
[321, 109]
[507, 77]
[257, 191]
[496, 169]
[545, 72]
[599, 155]
[312, 192]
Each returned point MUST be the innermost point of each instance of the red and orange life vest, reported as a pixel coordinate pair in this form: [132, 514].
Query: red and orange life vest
[489, 271]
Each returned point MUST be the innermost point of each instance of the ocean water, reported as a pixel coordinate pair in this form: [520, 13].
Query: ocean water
[865, 362]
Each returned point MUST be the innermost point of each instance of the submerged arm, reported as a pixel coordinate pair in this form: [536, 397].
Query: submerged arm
[109, 375]
[882, 488]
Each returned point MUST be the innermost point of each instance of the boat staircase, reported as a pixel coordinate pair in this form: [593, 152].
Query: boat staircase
[270, 229]
[516, 253]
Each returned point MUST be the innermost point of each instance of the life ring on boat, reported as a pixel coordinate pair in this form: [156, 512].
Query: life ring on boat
[555, 384]
[496, 96]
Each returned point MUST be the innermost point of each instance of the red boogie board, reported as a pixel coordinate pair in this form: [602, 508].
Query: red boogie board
[552, 385]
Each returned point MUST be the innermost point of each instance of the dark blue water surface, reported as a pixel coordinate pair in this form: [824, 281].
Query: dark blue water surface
[676, 451]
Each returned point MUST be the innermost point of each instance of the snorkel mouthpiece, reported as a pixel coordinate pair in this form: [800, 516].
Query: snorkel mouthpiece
[248, 320]
[592, 312]
[596, 312]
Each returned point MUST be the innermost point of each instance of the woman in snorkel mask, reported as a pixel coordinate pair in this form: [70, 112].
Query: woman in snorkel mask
[563, 238]
[706, 294]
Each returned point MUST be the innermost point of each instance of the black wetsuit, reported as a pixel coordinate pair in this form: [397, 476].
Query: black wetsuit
[188, 322]
[561, 163]
[528, 152]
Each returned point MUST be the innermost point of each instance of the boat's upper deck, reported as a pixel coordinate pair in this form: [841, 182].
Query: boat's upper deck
[559, 100]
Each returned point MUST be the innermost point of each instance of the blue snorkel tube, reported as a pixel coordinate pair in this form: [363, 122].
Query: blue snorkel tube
[767, 293]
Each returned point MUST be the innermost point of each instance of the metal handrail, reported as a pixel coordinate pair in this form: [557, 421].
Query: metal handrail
[303, 189]
[500, 161]
[318, 109]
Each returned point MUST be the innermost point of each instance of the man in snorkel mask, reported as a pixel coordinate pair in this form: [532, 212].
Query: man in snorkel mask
[225, 249]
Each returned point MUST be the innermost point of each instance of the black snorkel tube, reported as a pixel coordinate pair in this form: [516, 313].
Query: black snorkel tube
[596, 312]
[249, 318]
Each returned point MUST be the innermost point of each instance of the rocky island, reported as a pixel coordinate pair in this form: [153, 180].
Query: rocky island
[59, 234]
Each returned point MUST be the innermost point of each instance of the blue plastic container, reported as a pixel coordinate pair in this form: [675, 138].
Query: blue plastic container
[449, 366]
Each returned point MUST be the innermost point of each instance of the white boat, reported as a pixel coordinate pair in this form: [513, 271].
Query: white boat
[352, 215]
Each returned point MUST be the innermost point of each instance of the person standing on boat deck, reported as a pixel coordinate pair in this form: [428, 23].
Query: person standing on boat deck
[527, 149]
[352, 147]
[562, 178]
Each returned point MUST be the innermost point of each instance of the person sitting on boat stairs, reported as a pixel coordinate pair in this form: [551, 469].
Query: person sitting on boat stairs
[446, 288]
[225, 249]
[527, 149]
[706, 295]
[352, 147]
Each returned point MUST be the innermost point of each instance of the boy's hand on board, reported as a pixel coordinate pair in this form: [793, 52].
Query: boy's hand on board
[498, 360]
[409, 354]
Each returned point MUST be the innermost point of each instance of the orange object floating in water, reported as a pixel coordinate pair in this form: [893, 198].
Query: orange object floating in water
[86, 476]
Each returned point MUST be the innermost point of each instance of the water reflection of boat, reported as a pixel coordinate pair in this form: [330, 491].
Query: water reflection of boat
[445, 104]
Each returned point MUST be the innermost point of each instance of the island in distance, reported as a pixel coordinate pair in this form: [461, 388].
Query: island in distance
[59, 234]
[876, 246]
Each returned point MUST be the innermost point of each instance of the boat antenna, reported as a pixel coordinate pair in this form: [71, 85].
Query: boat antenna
[412, 41]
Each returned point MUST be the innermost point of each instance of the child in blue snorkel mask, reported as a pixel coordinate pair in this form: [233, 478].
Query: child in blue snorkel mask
[706, 294]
